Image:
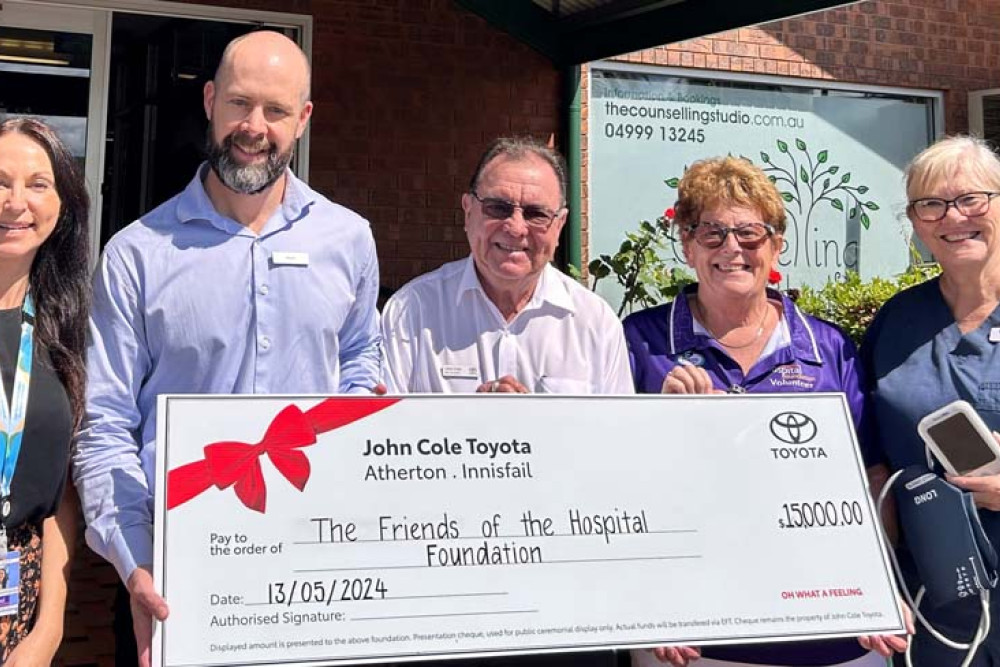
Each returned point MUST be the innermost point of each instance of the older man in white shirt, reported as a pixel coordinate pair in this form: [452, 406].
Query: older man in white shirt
[504, 319]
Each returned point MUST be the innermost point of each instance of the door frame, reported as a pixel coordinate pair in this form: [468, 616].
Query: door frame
[98, 14]
[97, 24]
[976, 108]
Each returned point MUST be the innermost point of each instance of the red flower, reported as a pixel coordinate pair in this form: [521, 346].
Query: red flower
[774, 277]
[669, 213]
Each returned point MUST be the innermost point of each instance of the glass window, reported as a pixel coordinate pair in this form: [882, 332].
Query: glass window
[836, 156]
[46, 74]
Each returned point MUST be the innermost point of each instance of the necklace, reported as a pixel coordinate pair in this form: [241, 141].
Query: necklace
[756, 336]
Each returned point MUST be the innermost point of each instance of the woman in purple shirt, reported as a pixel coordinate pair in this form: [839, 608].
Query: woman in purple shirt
[729, 334]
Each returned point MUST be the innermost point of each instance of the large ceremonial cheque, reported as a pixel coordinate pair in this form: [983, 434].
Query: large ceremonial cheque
[303, 530]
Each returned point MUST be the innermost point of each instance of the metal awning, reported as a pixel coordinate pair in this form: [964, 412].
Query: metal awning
[570, 32]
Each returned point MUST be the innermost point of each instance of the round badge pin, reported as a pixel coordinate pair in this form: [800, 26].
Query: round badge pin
[5, 508]
[695, 358]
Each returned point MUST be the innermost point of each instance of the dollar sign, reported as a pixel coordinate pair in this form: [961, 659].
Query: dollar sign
[781, 523]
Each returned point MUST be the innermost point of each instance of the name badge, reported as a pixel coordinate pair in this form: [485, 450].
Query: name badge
[10, 583]
[283, 258]
[460, 372]
[995, 335]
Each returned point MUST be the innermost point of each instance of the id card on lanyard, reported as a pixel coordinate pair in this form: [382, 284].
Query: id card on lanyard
[12, 418]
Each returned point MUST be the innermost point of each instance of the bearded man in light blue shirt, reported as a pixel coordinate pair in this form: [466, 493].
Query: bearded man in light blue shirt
[247, 282]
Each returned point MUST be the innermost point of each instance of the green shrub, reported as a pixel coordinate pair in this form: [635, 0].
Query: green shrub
[852, 304]
[647, 281]
[638, 268]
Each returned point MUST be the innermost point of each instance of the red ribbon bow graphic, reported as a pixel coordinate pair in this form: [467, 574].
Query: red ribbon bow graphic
[237, 464]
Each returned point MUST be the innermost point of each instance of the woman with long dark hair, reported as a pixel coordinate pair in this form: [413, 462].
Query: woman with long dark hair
[44, 297]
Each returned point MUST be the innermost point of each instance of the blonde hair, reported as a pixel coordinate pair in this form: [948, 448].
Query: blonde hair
[945, 159]
[727, 181]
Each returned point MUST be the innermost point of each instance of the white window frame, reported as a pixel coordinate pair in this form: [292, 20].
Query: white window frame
[976, 109]
[301, 22]
[97, 114]
[97, 24]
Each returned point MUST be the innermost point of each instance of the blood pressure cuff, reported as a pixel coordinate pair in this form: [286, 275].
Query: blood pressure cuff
[940, 525]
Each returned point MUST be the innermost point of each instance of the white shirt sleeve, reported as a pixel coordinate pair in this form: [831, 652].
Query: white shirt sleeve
[397, 346]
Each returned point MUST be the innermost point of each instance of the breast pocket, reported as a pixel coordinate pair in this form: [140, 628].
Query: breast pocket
[556, 385]
[460, 385]
[988, 398]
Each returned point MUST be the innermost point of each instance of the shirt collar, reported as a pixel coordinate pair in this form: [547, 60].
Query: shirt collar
[548, 290]
[682, 336]
[194, 203]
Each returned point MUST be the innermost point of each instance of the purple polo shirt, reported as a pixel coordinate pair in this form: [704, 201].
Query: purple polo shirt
[819, 358]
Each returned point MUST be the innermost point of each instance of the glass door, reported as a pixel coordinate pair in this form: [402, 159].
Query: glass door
[53, 64]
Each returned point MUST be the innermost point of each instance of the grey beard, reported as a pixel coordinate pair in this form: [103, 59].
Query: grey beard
[245, 179]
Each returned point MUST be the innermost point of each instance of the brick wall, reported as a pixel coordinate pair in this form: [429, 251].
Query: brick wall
[88, 638]
[407, 95]
[947, 45]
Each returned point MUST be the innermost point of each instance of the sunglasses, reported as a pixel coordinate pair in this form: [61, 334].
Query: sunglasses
[538, 217]
[749, 236]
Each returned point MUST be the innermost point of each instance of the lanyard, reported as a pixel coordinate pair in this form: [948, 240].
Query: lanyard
[12, 416]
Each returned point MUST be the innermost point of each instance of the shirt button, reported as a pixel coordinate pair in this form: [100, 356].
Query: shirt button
[263, 289]
[265, 342]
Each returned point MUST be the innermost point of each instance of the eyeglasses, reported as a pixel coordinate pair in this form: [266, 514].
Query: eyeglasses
[749, 236]
[500, 209]
[971, 204]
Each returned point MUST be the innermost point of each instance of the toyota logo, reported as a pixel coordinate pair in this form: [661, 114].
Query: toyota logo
[793, 428]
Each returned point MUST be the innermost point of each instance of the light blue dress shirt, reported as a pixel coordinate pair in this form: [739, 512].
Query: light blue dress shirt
[189, 301]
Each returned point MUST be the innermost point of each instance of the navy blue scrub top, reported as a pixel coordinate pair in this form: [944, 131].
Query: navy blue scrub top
[916, 361]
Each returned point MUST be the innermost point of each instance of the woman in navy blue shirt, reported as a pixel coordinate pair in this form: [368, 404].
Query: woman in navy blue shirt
[938, 342]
